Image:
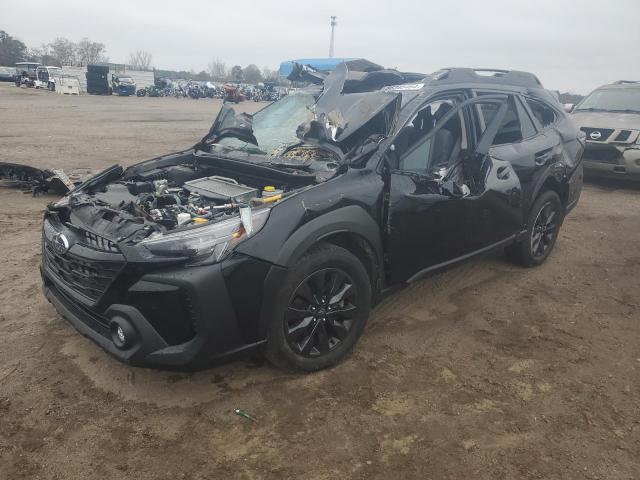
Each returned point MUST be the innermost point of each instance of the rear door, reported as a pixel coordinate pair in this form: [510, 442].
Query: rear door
[525, 143]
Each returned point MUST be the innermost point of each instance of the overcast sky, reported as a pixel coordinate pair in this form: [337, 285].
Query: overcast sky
[572, 45]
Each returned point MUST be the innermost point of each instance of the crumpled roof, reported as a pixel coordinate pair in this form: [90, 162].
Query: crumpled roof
[349, 103]
[338, 115]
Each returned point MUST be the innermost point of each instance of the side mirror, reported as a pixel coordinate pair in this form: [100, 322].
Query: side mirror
[568, 107]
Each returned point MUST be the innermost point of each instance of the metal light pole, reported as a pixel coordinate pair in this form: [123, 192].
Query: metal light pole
[333, 26]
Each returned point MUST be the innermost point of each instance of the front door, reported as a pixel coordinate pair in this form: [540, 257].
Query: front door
[448, 198]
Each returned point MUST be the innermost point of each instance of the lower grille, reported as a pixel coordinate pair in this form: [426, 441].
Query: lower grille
[602, 154]
[97, 322]
[90, 278]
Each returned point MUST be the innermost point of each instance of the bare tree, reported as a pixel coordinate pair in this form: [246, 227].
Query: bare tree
[91, 52]
[217, 69]
[269, 75]
[43, 54]
[140, 60]
[64, 50]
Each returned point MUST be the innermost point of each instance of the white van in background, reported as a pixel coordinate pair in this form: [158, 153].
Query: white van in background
[46, 77]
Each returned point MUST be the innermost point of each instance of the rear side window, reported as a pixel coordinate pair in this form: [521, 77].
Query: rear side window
[544, 114]
[511, 129]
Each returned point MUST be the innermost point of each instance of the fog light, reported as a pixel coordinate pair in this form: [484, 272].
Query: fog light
[123, 334]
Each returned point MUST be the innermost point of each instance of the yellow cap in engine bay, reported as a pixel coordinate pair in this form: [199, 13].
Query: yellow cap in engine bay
[269, 188]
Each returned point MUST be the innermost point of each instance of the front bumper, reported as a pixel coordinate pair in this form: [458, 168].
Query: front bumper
[612, 161]
[221, 325]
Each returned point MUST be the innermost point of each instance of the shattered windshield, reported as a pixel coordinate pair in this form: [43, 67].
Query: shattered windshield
[612, 100]
[275, 126]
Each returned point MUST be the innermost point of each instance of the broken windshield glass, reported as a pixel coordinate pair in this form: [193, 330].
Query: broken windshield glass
[274, 127]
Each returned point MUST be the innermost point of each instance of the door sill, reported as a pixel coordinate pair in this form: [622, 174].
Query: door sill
[450, 263]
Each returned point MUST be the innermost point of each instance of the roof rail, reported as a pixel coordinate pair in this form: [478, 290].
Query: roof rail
[623, 82]
[487, 75]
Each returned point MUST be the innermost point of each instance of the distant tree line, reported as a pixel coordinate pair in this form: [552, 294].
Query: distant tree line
[217, 71]
[63, 51]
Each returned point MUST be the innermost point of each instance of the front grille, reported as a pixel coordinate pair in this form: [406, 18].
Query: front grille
[602, 154]
[97, 242]
[605, 133]
[94, 320]
[90, 278]
[623, 136]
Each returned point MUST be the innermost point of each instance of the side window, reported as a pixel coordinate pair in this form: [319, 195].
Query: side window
[528, 129]
[426, 144]
[544, 114]
[511, 129]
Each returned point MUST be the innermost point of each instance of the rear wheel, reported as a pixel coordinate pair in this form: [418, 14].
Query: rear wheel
[320, 311]
[542, 231]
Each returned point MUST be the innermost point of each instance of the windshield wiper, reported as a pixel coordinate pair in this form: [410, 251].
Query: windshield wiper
[590, 109]
[625, 110]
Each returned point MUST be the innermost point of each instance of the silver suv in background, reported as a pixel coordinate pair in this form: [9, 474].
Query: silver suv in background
[610, 118]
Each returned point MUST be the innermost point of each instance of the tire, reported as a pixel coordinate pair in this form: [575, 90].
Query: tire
[543, 225]
[306, 333]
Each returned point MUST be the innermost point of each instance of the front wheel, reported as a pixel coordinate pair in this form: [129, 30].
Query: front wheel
[543, 227]
[320, 311]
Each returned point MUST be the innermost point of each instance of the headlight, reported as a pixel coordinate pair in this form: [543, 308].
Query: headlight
[216, 240]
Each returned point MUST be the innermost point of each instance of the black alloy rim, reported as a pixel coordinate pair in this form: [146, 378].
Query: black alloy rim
[321, 313]
[544, 230]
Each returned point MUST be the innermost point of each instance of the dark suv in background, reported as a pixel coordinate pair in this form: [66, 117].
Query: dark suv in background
[610, 118]
[279, 231]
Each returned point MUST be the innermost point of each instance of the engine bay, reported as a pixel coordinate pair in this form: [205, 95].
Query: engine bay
[178, 191]
[199, 201]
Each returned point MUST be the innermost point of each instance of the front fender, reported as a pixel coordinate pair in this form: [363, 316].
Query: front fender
[289, 236]
[351, 219]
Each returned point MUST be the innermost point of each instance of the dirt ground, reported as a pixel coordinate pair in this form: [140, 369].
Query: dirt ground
[487, 371]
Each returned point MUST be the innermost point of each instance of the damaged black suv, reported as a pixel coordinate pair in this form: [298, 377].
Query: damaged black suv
[279, 231]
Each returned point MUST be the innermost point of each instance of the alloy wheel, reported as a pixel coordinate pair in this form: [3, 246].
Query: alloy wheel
[321, 312]
[544, 230]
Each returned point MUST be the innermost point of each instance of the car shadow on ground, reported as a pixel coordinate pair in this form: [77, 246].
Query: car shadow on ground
[238, 382]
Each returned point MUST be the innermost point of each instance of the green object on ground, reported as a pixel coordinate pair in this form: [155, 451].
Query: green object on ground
[243, 414]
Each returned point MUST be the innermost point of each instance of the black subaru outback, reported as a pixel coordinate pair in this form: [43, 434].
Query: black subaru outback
[279, 231]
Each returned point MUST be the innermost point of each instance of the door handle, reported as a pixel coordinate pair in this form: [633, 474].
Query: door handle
[543, 157]
[504, 172]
